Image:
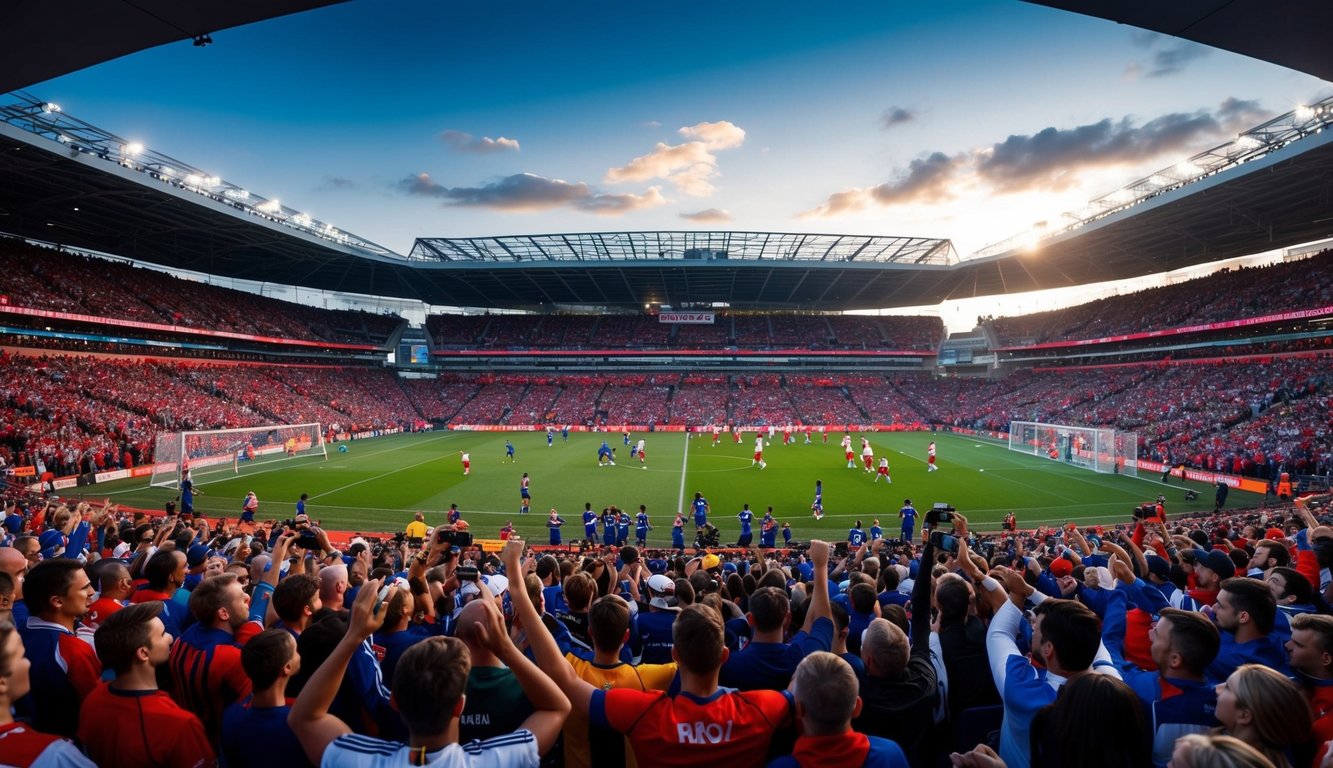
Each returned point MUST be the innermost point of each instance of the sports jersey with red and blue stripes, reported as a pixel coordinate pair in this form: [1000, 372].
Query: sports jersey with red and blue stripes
[207, 675]
[65, 669]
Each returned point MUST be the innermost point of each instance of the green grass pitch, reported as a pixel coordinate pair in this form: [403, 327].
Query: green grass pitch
[378, 483]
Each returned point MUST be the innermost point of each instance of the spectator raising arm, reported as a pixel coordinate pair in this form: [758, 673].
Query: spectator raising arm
[310, 718]
[819, 601]
[546, 687]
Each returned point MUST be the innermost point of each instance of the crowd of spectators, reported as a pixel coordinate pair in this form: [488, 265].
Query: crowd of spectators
[1255, 418]
[56, 280]
[71, 414]
[1231, 294]
[132, 640]
[736, 330]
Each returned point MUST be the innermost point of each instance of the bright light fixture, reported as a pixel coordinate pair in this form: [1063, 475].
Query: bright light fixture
[133, 149]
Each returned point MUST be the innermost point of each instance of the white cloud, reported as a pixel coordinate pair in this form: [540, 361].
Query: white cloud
[529, 193]
[485, 145]
[708, 216]
[690, 166]
[723, 134]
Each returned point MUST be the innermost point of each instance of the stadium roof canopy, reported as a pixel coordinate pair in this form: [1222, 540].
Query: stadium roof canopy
[66, 182]
[89, 192]
[48, 39]
[1290, 33]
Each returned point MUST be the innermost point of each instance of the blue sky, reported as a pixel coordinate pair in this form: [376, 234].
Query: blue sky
[967, 120]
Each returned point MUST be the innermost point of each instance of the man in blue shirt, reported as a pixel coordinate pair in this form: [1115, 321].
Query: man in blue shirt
[564, 433]
[622, 529]
[1025, 688]
[589, 523]
[641, 526]
[908, 515]
[1245, 613]
[700, 505]
[747, 519]
[768, 662]
[876, 533]
[817, 506]
[678, 532]
[604, 455]
[609, 522]
[856, 537]
[509, 451]
[768, 531]
[1176, 697]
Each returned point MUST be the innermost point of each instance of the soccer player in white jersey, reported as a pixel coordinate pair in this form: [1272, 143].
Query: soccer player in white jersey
[759, 452]
[867, 456]
[883, 471]
[930, 457]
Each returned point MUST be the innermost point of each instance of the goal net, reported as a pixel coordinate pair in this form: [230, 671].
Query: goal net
[1101, 450]
[208, 451]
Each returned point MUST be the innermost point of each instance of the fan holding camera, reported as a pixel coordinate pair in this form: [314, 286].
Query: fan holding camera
[940, 514]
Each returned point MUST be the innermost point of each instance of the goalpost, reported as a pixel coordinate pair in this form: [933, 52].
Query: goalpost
[207, 451]
[1099, 449]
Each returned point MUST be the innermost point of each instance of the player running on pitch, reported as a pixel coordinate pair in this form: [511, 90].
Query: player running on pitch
[525, 496]
[467, 461]
[759, 453]
[867, 455]
[930, 457]
[817, 507]
[883, 471]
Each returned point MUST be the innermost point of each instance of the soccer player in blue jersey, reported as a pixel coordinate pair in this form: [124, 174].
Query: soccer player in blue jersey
[589, 523]
[564, 433]
[817, 508]
[768, 531]
[509, 451]
[454, 514]
[856, 537]
[747, 519]
[604, 455]
[609, 522]
[622, 529]
[550, 437]
[876, 533]
[641, 526]
[908, 515]
[525, 496]
[700, 505]
[554, 524]
[678, 532]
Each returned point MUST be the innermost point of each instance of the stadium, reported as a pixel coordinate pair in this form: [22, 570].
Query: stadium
[186, 359]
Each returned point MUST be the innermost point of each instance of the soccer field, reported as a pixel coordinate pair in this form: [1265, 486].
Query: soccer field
[378, 483]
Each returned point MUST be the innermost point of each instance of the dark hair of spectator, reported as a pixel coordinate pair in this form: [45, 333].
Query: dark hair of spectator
[48, 579]
[1073, 630]
[1253, 597]
[123, 633]
[698, 638]
[264, 656]
[1072, 730]
[428, 682]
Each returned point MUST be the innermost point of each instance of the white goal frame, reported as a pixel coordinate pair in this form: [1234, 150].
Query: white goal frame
[1101, 449]
[208, 451]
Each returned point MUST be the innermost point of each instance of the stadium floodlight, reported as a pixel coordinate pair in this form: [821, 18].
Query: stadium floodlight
[1304, 112]
[133, 149]
[1246, 141]
[1187, 169]
[269, 206]
[194, 180]
[50, 107]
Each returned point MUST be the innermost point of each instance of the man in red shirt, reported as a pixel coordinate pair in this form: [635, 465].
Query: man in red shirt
[823, 686]
[700, 725]
[206, 669]
[24, 746]
[115, 587]
[129, 721]
[64, 668]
